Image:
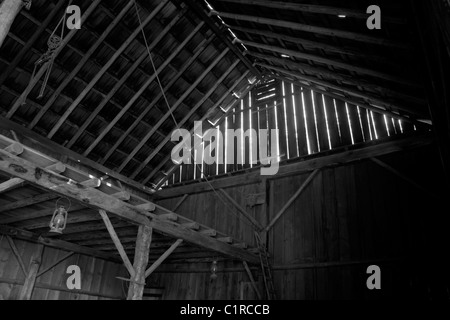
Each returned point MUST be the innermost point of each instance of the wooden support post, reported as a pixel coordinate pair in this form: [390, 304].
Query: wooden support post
[179, 203]
[252, 280]
[30, 280]
[17, 255]
[67, 256]
[166, 254]
[242, 210]
[142, 251]
[117, 242]
[291, 201]
[9, 9]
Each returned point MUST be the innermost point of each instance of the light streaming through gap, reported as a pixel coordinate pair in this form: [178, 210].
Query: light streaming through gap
[387, 126]
[306, 122]
[226, 144]
[242, 135]
[315, 120]
[285, 121]
[361, 124]
[349, 123]
[295, 118]
[278, 132]
[337, 118]
[250, 115]
[326, 121]
[370, 126]
[374, 127]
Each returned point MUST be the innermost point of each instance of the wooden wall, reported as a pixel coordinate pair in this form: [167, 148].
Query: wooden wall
[348, 218]
[98, 277]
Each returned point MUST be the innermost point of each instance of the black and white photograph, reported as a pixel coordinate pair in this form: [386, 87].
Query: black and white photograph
[230, 156]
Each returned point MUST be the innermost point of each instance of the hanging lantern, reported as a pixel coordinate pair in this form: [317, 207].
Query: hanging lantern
[59, 219]
[214, 270]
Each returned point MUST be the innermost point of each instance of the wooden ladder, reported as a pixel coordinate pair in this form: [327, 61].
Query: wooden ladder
[266, 268]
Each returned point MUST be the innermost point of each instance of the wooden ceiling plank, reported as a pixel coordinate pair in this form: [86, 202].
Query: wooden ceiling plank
[96, 199]
[80, 65]
[41, 71]
[170, 111]
[105, 68]
[313, 29]
[338, 77]
[186, 118]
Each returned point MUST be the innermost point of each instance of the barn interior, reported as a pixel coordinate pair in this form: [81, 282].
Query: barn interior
[355, 118]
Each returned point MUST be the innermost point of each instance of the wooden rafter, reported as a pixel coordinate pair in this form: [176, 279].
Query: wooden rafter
[357, 82]
[311, 8]
[139, 93]
[312, 29]
[202, 46]
[330, 62]
[365, 96]
[170, 111]
[203, 16]
[105, 68]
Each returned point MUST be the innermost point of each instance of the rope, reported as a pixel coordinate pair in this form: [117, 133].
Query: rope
[176, 122]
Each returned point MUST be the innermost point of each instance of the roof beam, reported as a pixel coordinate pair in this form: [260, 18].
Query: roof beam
[336, 157]
[170, 111]
[311, 8]
[313, 29]
[337, 76]
[330, 62]
[96, 199]
[365, 96]
[105, 68]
